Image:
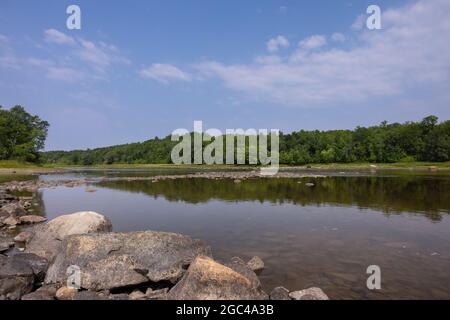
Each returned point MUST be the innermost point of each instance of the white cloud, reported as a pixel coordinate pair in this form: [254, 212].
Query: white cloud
[164, 73]
[84, 54]
[313, 42]
[274, 44]
[359, 22]
[408, 56]
[58, 37]
[91, 53]
[338, 37]
[271, 59]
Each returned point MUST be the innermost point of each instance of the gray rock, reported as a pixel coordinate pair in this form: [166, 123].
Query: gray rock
[38, 264]
[207, 279]
[280, 293]
[13, 209]
[256, 264]
[43, 293]
[90, 295]
[309, 294]
[5, 244]
[16, 278]
[47, 238]
[115, 260]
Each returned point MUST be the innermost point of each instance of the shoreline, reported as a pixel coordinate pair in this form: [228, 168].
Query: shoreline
[36, 170]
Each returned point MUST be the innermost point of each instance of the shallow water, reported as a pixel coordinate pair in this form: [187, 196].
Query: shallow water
[326, 235]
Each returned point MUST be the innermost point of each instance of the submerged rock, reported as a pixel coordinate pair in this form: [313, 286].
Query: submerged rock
[309, 294]
[280, 293]
[47, 238]
[256, 264]
[207, 279]
[115, 260]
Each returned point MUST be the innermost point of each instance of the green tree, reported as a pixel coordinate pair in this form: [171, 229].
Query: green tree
[22, 135]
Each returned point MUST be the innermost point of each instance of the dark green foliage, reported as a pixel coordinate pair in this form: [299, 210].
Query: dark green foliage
[427, 140]
[22, 135]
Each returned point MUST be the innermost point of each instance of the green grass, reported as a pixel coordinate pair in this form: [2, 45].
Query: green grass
[14, 164]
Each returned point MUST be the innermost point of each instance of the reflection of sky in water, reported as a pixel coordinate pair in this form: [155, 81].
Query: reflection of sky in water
[325, 244]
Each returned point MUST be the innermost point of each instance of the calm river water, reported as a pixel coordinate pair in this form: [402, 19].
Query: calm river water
[326, 235]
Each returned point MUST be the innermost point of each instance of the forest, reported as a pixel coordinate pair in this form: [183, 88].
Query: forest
[425, 140]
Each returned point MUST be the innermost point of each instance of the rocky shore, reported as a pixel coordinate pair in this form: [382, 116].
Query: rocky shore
[78, 257]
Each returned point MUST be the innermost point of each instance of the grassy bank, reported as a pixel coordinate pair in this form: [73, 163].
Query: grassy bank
[8, 166]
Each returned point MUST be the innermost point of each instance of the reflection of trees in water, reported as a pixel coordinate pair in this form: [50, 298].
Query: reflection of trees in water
[391, 195]
[38, 203]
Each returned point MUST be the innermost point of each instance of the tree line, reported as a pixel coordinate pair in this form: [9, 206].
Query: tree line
[426, 140]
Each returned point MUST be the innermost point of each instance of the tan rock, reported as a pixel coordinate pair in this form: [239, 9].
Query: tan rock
[66, 293]
[207, 279]
[24, 236]
[31, 219]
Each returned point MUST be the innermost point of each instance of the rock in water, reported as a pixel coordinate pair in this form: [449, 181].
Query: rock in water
[31, 219]
[280, 293]
[115, 260]
[207, 279]
[256, 264]
[47, 238]
[309, 294]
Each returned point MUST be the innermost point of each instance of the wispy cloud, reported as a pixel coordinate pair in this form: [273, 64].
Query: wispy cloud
[55, 36]
[274, 44]
[338, 37]
[409, 54]
[164, 73]
[313, 42]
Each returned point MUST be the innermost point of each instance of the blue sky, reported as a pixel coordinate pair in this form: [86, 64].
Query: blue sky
[139, 69]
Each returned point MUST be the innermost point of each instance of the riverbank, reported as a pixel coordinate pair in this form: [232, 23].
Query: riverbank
[15, 167]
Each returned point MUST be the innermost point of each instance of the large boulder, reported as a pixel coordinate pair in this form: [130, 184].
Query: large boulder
[47, 238]
[115, 260]
[207, 279]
